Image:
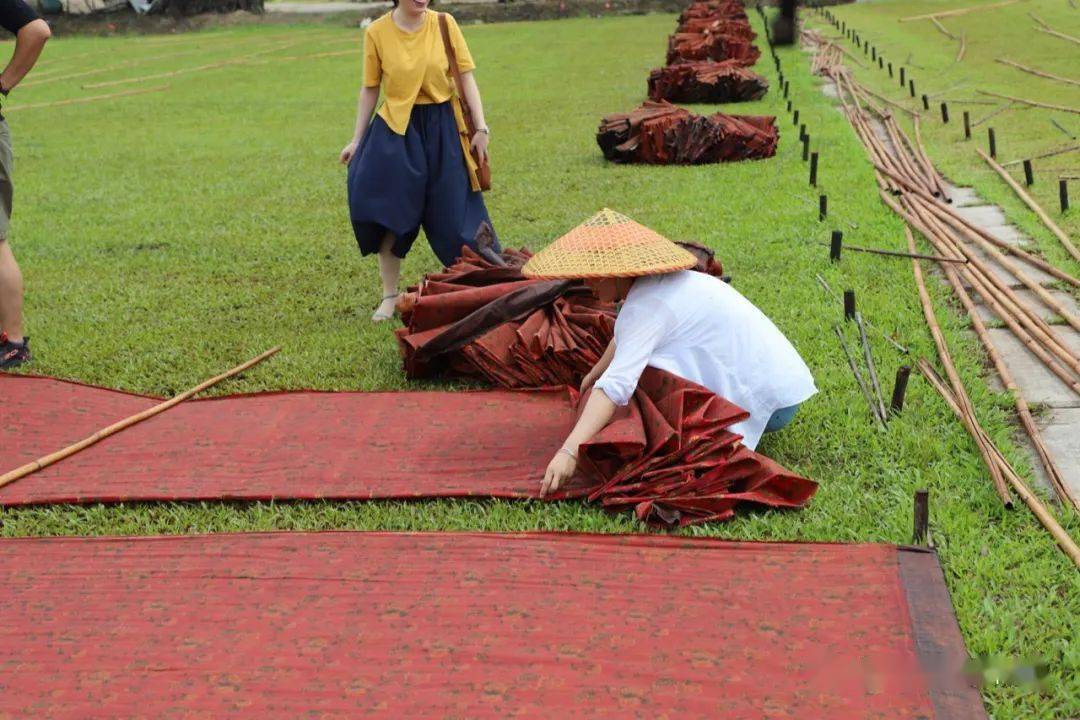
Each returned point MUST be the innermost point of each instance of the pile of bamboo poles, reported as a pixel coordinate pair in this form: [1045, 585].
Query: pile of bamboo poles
[912, 187]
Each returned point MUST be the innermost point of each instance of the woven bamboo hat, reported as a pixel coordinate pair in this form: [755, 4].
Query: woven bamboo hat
[608, 244]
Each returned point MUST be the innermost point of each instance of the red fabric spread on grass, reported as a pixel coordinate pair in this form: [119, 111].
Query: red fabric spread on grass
[309, 445]
[398, 625]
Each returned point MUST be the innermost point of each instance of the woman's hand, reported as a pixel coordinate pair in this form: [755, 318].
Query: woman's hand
[348, 151]
[480, 145]
[559, 471]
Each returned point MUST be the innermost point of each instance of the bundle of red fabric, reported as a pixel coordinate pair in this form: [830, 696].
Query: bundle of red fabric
[706, 82]
[685, 47]
[668, 454]
[663, 134]
[715, 10]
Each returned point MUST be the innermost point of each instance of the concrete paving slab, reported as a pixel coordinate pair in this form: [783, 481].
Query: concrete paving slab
[1007, 277]
[983, 215]
[1059, 430]
[1037, 383]
[963, 196]
[1029, 299]
[1008, 233]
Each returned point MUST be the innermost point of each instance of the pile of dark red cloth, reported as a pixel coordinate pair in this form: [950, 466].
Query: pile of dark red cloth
[713, 31]
[706, 82]
[660, 133]
[668, 455]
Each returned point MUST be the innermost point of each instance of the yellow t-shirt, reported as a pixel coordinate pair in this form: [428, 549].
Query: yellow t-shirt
[411, 67]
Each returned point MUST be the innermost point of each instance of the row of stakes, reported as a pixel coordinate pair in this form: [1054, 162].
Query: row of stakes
[991, 138]
[921, 515]
[904, 371]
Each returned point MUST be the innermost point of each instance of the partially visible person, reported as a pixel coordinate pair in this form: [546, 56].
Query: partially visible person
[690, 324]
[783, 29]
[411, 166]
[30, 32]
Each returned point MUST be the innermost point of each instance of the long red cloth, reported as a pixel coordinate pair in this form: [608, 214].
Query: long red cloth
[398, 625]
[668, 455]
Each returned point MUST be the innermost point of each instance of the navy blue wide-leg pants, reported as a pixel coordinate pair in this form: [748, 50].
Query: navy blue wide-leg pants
[400, 183]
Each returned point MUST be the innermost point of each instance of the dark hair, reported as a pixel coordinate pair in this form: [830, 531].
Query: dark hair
[430, 2]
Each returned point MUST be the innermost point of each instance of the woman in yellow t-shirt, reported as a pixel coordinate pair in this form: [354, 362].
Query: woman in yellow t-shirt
[410, 166]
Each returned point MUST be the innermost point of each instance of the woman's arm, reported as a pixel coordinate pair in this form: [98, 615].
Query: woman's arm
[599, 409]
[365, 106]
[601, 366]
[471, 93]
[28, 45]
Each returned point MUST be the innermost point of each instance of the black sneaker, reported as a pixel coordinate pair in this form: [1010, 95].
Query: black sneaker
[13, 354]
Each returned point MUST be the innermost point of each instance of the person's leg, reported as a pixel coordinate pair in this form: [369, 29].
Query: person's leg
[453, 212]
[11, 294]
[390, 274]
[386, 189]
[781, 418]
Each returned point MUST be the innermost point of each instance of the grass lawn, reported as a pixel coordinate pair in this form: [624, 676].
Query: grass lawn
[168, 236]
[1008, 33]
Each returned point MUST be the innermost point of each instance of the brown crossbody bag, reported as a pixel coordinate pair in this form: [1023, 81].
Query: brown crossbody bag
[483, 170]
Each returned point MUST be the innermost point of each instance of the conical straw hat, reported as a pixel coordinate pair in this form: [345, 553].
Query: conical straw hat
[608, 244]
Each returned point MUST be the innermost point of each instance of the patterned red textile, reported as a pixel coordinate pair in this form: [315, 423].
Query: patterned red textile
[686, 47]
[310, 445]
[471, 625]
[706, 82]
[660, 133]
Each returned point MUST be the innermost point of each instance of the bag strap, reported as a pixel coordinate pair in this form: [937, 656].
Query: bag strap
[451, 55]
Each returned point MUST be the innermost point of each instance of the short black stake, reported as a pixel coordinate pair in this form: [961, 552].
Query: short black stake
[1029, 175]
[849, 304]
[890, 70]
[922, 518]
[993, 142]
[802, 132]
[967, 125]
[834, 247]
[1063, 194]
[787, 87]
[806, 148]
[873, 54]
[789, 106]
[880, 62]
[823, 207]
[899, 389]
[795, 117]
[925, 102]
[911, 87]
[944, 113]
[813, 169]
[903, 82]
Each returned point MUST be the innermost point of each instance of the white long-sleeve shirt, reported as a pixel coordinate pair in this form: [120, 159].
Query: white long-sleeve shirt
[700, 328]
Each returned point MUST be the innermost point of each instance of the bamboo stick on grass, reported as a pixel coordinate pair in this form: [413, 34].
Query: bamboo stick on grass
[51, 458]
[1030, 202]
[1064, 541]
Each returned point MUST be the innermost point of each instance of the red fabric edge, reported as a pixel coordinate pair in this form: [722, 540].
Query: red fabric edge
[939, 645]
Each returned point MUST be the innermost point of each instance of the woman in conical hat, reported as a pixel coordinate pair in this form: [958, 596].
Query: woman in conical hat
[690, 324]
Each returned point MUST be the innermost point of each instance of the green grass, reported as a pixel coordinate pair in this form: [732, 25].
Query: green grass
[1021, 132]
[168, 236]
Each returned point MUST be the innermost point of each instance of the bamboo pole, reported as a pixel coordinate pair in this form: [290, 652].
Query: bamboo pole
[963, 48]
[1036, 71]
[869, 324]
[967, 411]
[1052, 153]
[92, 98]
[1032, 103]
[943, 29]
[958, 11]
[1002, 299]
[871, 369]
[978, 233]
[1023, 411]
[1066, 543]
[1030, 202]
[51, 458]
[1061, 35]
[198, 68]
[858, 376]
[897, 253]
